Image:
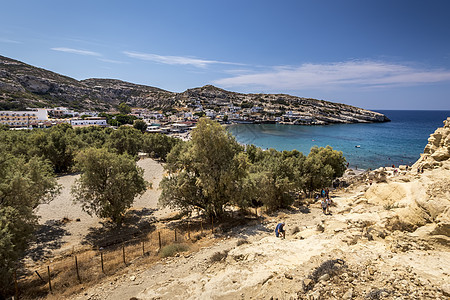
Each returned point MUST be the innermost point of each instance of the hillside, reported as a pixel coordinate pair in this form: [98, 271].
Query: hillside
[22, 86]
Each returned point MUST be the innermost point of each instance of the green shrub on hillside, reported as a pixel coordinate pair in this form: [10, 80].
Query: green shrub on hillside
[172, 249]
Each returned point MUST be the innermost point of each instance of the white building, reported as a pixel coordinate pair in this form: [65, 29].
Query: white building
[23, 118]
[89, 122]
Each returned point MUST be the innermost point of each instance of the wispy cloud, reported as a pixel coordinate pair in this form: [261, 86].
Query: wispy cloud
[76, 51]
[175, 60]
[2, 40]
[112, 61]
[365, 74]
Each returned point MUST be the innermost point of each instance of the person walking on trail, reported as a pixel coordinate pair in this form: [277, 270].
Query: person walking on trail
[324, 205]
[328, 200]
[279, 230]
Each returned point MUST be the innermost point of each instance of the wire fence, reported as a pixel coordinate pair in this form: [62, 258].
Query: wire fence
[67, 273]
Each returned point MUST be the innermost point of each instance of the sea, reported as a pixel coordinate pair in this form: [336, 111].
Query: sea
[364, 145]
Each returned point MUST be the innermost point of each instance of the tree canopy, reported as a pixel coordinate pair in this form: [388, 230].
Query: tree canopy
[212, 171]
[23, 186]
[140, 125]
[205, 173]
[124, 108]
[108, 183]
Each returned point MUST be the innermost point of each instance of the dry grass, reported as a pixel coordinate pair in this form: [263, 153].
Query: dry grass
[63, 274]
[193, 234]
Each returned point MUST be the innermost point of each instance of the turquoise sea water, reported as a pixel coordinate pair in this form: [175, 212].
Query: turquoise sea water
[381, 144]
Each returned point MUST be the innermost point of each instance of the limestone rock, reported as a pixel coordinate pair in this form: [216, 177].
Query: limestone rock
[437, 149]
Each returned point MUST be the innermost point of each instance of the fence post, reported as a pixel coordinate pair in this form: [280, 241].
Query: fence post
[101, 259]
[39, 275]
[175, 234]
[256, 212]
[159, 238]
[201, 225]
[49, 280]
[76, 267]
[143, 248]
[123, 254]
[16, 286]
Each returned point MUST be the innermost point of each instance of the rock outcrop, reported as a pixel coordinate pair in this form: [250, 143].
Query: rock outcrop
[420, 197]
[437, 150]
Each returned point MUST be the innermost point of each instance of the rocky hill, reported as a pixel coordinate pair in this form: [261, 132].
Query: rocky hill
[22, 85]
[325, 112]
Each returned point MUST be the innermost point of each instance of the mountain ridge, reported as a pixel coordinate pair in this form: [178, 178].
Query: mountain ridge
[23, 85]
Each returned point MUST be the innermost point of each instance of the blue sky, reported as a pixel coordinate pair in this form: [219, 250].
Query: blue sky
[371, 54]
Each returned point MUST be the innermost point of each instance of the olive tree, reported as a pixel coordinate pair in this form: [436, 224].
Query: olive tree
[108, 183]
[320, 167]
[205, 173]
[23, 186]
[124, 108]
[140, 125]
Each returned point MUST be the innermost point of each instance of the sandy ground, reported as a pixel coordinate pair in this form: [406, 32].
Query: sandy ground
[378, 263]
[57, 235]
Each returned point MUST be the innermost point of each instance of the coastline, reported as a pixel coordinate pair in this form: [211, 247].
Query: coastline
[398, 142]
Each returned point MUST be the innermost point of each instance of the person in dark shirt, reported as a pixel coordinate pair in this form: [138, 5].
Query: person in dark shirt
[279, 230]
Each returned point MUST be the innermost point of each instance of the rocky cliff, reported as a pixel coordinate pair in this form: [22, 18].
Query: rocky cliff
[437, 150]
[22, 85]
[420, 197]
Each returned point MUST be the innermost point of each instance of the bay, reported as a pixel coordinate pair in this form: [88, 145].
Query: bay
[398, 142]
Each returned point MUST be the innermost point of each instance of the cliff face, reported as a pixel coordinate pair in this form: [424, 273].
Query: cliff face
[420, 197]
[22, 85]
[438, 148]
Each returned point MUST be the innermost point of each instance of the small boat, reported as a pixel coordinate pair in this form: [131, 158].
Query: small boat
[357, 146]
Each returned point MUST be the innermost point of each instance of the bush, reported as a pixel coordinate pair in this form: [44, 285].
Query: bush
[172, 249]
[219, 256]
[242, 242]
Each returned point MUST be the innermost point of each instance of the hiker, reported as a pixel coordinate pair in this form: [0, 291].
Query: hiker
[324, 206]
[327, 193]
[328, 201]
[279, 230]
[323, 193]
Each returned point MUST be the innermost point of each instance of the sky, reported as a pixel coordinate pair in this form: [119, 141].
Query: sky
[379, 54]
